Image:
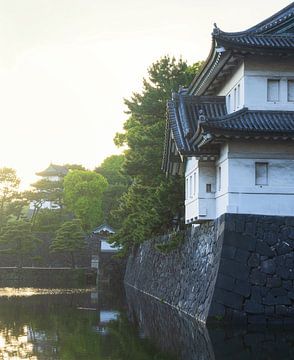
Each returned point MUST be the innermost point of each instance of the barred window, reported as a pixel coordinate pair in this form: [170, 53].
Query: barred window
[261, 173]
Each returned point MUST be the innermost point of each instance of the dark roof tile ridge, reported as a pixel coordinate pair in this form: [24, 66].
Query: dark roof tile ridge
[229, 116]
[265, 24]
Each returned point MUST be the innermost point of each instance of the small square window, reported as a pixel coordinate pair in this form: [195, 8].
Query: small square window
[261, 173]
[273, 90]
[208, 188]
[290, 90]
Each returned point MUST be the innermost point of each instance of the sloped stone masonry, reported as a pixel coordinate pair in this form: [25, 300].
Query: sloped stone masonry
[239, 268]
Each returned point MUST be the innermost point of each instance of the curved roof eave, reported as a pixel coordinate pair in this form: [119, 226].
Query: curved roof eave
[266, 24]
[209, 65]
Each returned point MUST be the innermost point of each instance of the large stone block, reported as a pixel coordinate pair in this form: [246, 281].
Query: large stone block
[228, 299]
[243, 288]
[254, 260]
[225, 282]
[273, 281]
[234, 269]
[257, 277]
[268, 266]
[245, 242]
[252, 307]
[263, 248]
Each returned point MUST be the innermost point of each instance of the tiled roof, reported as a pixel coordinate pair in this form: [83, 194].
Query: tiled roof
[104, 228]
[253, 121]
[184, 112]
[54, 170]
[275, 32]
[265, 41]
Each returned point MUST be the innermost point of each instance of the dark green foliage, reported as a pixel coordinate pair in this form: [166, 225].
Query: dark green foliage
[18, 239]
[46, 190]
[69, 238]
[152, 201]
[112, 170]
[48, 220]
[9, 183]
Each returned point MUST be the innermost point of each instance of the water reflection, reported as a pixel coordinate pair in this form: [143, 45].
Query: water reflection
[77, 324]
[70, 325]
[188, 340]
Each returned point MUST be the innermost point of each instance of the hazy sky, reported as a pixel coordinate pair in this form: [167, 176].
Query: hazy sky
[66, 65]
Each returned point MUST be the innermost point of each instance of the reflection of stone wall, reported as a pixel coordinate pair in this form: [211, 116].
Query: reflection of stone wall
[185, 339]
[238, 268]
[185, 277]
[170, 331]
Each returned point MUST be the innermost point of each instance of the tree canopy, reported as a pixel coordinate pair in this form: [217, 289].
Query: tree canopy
[83, 196]
[118, 180]
[69, 238]
[9, 183]
[152, 200]
[19, 239]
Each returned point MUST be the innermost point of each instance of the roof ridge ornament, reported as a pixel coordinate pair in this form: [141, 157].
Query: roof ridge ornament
[216, 30]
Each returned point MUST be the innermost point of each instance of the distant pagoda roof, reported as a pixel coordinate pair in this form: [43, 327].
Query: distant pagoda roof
[272, 37]
[53, 170]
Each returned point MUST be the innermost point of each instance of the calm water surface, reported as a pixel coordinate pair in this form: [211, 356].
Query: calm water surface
[105, 325]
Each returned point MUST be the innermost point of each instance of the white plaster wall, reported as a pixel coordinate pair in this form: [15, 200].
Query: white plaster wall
[191, 202]
[228, 89]
[53, 178]
[221, 197]
[200, 204]
[257, 71]
[242, 195]
[252, 76]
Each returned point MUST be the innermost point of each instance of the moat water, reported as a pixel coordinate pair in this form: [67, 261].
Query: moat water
[89, 324]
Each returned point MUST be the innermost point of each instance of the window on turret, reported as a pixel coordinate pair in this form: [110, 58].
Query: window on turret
[290, 90]
[235, 99]
[261, 173]
[219, 178]
[238, 96]
[273, 90]
[229, 104]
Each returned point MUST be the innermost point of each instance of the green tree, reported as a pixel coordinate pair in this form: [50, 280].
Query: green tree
[19, 240]
[152, 201]
[112, 170]
[69, 238]
[74, 166]
[9, 183]
[83, 192]
[46, 190]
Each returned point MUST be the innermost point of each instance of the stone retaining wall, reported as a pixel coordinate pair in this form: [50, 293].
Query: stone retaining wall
[256, 272]
[238, 268]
